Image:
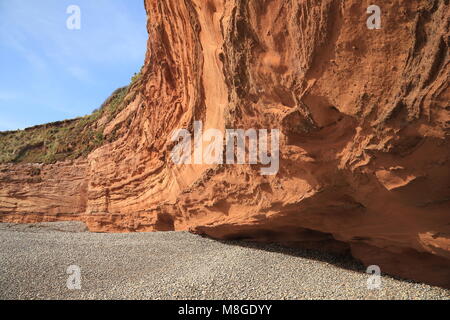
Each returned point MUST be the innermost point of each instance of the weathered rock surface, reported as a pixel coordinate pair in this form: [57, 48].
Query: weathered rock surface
[364, 116]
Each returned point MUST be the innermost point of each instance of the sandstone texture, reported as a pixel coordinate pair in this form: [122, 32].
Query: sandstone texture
[364, 117]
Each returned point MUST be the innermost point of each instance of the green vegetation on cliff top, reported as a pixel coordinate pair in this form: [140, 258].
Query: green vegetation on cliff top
[62, 140]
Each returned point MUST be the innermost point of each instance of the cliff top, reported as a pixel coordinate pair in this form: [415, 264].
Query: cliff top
[64, 140]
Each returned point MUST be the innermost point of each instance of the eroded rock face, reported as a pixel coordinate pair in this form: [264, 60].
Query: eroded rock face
[364, 118]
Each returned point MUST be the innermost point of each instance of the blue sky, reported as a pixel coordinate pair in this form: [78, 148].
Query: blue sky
[50, 73]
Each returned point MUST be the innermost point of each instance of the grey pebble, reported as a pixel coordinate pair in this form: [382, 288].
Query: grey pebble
[178, 265]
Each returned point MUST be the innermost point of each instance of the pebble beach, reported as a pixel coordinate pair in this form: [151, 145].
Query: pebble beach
[34, 262]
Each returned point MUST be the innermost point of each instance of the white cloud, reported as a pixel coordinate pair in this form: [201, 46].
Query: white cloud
[109, 33]
[79, 73]
[55, 72]
[11, 39]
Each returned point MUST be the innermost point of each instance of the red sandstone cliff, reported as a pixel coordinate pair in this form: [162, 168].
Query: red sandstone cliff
[364, 117]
